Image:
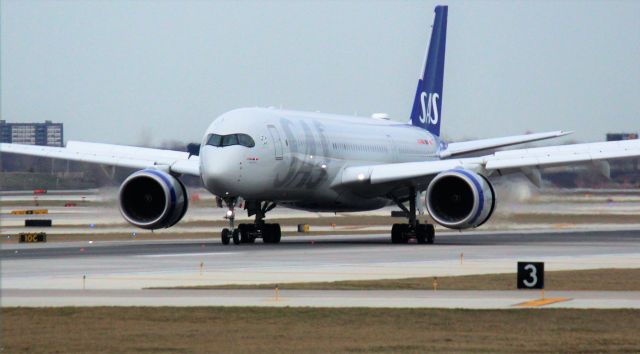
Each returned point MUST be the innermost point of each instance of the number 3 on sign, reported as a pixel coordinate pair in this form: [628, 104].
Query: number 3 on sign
[530, 275]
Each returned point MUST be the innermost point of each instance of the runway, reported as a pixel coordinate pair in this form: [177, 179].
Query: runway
[613, 240]
[143, 264]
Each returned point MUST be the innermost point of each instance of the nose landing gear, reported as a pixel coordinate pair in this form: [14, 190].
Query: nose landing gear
[230, 233]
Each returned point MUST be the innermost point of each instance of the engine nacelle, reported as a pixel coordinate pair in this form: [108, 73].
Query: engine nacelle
[152, 199]
[460, 199]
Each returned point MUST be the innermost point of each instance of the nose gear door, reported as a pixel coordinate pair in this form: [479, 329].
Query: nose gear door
[277, 141]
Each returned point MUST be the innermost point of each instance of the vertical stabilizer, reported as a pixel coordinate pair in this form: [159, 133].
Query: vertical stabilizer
[427, 104]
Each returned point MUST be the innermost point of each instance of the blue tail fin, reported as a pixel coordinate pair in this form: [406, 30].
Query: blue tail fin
[427, 105]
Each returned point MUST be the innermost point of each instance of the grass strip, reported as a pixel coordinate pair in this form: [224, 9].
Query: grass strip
[593, 279]
[311, 330]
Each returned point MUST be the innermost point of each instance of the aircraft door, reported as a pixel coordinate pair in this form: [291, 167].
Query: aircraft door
[277, 141]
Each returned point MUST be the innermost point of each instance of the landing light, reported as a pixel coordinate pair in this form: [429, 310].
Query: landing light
[229, 213]
[361, 177]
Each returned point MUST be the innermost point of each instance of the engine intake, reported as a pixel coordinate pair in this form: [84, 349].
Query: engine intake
[152, 199]
[460, 199]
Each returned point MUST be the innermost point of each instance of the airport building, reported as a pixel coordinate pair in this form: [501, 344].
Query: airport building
[45, 134]
[621, 136]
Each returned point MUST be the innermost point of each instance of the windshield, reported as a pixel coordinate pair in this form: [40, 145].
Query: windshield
[230, 140]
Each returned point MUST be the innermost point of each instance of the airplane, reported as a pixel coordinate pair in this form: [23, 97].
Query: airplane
[263, 157]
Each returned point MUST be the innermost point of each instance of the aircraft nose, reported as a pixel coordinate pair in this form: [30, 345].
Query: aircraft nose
[220, 169]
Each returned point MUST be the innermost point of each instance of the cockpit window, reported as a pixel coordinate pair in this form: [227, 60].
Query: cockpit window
[214, 140]
[245, 140]
[230, 140]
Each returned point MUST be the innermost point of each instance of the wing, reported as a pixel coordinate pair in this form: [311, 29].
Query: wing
[114, 155]
[484, 144]
[502, 162]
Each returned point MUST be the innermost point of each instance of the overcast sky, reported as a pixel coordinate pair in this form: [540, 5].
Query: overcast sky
[133, 71]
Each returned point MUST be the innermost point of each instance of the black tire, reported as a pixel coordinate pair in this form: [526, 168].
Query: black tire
[251, 229]
[236, 237]
[396, 233]
[276, 233]
[406, 232]
[431, 234]
[244, 233]
[267, 234]
[421, 233]
[224, 236]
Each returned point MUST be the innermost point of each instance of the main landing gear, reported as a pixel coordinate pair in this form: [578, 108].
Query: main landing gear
[248, 233]
[402, 233]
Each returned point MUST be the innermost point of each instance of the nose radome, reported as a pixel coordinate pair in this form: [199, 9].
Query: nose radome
[220, 167]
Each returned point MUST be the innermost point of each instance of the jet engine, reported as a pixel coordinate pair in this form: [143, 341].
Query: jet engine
[152, 199]
[460, 199]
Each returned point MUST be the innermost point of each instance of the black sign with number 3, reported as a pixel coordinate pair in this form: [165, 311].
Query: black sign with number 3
[530, 275]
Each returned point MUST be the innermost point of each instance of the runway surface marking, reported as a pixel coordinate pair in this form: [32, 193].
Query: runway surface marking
[542, 302]
[190, 254]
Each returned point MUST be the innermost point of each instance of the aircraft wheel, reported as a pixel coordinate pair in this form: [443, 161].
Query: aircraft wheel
[396, 233]
[431, 234]
[224, 236]
[252, 229]
[267, 234]
[421, 233]
[276, 233]
[406, 228]
[244, 233]
[236, 237]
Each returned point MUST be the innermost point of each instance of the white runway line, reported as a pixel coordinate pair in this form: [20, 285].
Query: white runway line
[189, 254]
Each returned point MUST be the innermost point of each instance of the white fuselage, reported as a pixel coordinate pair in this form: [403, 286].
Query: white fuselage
[299, 155]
